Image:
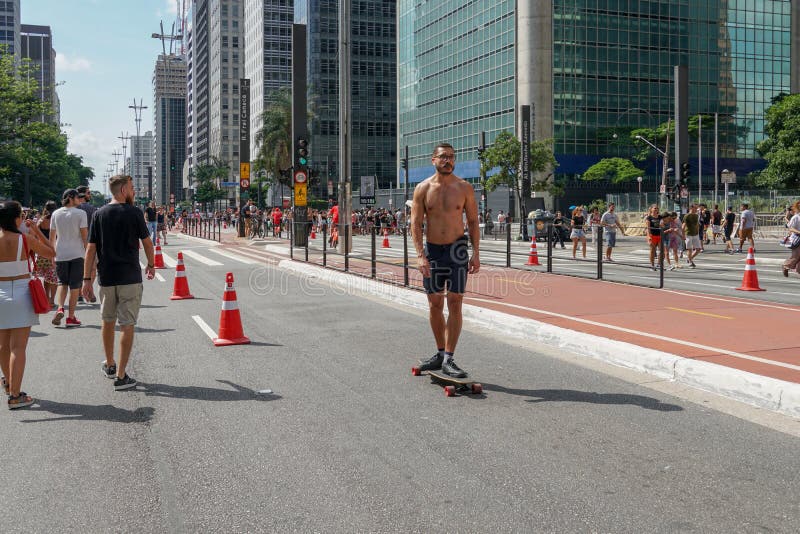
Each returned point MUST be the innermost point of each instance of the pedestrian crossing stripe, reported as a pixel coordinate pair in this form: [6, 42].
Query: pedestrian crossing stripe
[202, 259]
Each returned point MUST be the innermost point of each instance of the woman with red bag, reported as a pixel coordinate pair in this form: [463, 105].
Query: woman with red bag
[16, 307]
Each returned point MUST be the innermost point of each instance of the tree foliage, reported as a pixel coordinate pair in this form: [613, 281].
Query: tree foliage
[618, 170]
[207, 177]
[31, 150]
[504, 156]
[781, 148]
[274, 139]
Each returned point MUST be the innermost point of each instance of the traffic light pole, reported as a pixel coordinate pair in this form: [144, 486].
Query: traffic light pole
[345, 131]
[299, 134]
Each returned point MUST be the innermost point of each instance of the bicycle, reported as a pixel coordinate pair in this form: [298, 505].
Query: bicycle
[256, 229]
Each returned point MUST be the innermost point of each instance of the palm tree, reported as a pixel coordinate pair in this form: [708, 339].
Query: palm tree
[274, 139]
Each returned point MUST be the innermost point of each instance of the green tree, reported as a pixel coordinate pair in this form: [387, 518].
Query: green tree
[207, 177]
[618, 170]
[274, 139]
[505, 155]
[781, 148]
[34, 163]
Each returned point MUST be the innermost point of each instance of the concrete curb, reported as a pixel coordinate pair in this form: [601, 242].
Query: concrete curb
[764, 392]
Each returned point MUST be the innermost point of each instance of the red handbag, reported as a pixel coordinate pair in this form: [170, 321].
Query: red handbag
[40, 302]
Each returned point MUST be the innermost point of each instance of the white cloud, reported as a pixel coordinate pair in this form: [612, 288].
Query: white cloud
[170, 8]
[66, 63]
[94, 151]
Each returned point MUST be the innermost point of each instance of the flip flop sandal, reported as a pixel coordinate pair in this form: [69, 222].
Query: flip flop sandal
[20, 401]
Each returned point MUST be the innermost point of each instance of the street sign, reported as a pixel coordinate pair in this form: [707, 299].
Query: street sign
[301, 194]
[662, 189]
[684, 192]
[228, 184]
[300, 177]
[367, 189]
[244, 183]
[728, 177]
[244, 171]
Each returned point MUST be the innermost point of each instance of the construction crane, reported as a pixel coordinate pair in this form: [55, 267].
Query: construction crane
[182, 22]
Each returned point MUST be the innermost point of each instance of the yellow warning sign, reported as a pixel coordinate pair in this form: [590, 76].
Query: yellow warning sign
[244, 171]
[300, 194]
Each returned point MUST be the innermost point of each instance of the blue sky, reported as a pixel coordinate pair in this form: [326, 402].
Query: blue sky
[105, 56]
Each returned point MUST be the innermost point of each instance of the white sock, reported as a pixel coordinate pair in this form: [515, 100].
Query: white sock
[447, 357]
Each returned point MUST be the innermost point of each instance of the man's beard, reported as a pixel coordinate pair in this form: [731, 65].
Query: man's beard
[443, 169]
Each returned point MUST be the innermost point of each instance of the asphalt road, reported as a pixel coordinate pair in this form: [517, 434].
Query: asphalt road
[349, 441]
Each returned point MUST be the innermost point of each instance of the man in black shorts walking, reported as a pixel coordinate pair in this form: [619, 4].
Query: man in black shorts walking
[116, 231]
[440, 202]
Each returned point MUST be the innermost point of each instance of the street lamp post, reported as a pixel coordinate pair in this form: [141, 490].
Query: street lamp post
[639, 179]
[664, 154]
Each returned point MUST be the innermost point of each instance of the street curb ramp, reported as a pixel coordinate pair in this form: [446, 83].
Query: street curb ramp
[764, 392]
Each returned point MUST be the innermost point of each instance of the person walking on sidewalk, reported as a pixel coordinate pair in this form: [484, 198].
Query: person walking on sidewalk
[653, 227]
[747, 223]
[16, 307]
[118, 227]
[439, 204]
[578, 232]
[68, 233]
[691, 228]
[793, 262]
[610, 222]
[151, 217]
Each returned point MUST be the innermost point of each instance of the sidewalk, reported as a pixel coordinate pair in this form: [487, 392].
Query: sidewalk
[743, 349]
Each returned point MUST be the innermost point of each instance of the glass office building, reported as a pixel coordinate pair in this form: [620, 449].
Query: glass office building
[612, 67]
[373, 88]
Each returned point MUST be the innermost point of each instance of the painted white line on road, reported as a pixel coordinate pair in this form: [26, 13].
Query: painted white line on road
[202, 259]
[234, 257]
[260, 256]
[160, 278]
[169, 261]
[204, 327]
[643, 334]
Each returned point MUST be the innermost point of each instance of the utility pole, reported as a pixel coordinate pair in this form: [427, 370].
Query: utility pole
[125, 138]
[137, 115]
[116, 161]
[171, 37]
[345, 128]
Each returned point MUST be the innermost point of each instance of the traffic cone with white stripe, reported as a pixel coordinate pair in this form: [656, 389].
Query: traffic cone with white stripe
[533, 257]
[159, 259]
[230, 323]
[385, 243]
[750, 279]
[180, 290]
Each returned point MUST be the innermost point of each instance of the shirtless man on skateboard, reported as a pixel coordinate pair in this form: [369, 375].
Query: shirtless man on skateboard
[440, 202]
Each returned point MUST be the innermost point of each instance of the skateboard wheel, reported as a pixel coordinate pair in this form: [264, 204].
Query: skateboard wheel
[477, 389]
[450, 391]
[415, 371]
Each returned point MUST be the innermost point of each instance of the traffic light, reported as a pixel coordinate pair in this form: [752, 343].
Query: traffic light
[684, 177]
[404, 164]
[302, 151]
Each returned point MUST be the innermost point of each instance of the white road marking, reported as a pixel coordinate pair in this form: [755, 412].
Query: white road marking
[204, 327]
[645, 334]
[234, 257]
[160, 278]
[168, 260]
[202, 259]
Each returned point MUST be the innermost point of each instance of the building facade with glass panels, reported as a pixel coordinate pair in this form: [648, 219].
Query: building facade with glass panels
[373, 88]
[612, 67]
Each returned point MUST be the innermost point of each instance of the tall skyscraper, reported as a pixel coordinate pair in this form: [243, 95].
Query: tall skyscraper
[373, 92]
[141, 163]
[599, 68]
[169, 106]
[199, 106]
[37, 45]
[10, 26]
[268, 55]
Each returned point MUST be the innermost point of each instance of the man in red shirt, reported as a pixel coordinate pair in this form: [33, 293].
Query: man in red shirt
[334, 211]
[276, 221]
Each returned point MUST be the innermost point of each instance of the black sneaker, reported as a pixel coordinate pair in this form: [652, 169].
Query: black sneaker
[451, 369]
[434, 363]
[127, 382]
[109, 371]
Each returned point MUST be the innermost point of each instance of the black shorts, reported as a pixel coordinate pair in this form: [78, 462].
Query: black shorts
[448, 267]
[70, 273]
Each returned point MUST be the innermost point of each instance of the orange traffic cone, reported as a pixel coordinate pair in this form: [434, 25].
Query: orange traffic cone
[533, 257]
[180, 290]
[750, 279]
[159, 259]
[230, 323]
[313, 233]
[224, 225]
[385, 239]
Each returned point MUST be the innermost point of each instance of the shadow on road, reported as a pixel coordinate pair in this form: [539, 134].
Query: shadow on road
[137, 329]
[238, 393]
[88, 412]
[591, 397]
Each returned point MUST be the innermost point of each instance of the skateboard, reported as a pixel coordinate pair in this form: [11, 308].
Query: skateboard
[451, 384]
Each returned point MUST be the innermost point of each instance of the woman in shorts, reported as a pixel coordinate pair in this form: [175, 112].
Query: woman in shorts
[653, 227]
[578, 232]
[45, 268]
[673, 235]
